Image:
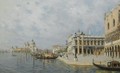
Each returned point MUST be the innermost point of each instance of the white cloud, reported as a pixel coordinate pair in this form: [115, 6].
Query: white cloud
[49, 21]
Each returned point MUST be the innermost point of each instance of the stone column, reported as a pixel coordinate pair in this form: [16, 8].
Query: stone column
[86, 51]
[82, 41]
[78, 45]
[118, 51]
[108, 52]
[96, 42]
[89, 42]
[90, 50]
[100, 42]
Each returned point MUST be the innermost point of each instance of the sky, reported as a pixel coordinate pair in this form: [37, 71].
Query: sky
[50, 22]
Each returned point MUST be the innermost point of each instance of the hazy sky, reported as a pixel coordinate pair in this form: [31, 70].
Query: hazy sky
[50, 22]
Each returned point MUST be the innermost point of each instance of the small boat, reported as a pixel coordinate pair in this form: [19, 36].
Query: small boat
[46, 56]
[111, 66]
[14, 55]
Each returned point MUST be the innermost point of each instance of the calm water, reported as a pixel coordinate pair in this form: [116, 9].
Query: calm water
[22, 63]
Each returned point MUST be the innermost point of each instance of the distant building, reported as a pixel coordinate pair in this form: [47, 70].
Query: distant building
[18, 49]
[57, 48]
[28, 47]
[33, 47]
[112, 32]
[79, 43]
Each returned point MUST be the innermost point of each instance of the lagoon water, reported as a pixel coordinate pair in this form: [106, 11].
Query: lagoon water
[24, 63]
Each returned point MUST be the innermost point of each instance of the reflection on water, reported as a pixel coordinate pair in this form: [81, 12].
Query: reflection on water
[24, 63]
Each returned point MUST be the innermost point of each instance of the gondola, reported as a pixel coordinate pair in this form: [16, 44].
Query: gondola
[46, 56]
[54, 57]
[111, 66]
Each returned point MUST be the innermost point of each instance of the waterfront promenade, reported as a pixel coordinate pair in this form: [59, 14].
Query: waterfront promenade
[86, 60]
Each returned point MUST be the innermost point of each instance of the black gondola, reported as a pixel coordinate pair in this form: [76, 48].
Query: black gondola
[111, 66]
[46, 56]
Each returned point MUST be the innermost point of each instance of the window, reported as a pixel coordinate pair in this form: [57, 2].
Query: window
[91, 42]
[102, 42]
[80, 50]
[84, 42]
[87, 42]
[108, 26]
[94, 42]
[80, 42]
[98, 42]
[113, 22]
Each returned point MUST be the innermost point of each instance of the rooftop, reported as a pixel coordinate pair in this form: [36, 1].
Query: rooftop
[108, 13]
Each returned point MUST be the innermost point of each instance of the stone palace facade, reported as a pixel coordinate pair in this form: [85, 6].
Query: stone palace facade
[79, 43]
[112, 33]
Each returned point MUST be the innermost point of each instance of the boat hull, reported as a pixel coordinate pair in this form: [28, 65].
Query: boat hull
[46, 57]
[107, 68]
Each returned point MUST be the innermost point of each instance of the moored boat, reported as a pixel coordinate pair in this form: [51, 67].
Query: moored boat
[111, 66]
[47, 56]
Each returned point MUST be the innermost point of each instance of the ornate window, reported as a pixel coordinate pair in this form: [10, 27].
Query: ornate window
[113, 22]
[80, 50]
[87, 42]
[84, 42]
[91, 42]
[94, 42]
[98, 42]
[102, 43]
[108, 26]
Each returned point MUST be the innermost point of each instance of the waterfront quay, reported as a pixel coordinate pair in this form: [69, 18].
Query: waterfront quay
[86, 60]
